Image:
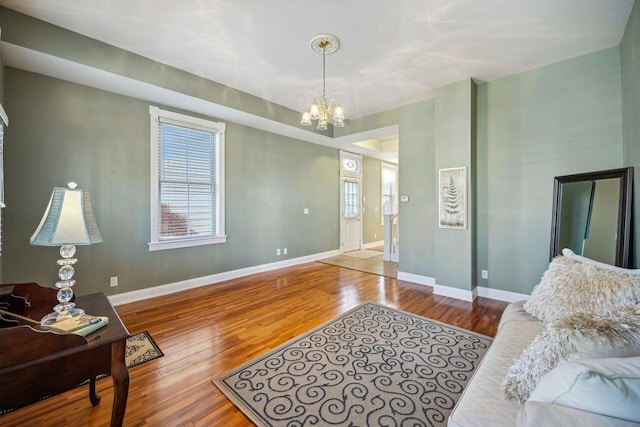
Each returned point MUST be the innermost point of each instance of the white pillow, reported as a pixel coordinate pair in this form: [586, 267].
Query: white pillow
[578, 337]
[605, 386]
[571, 287]
[570, 254]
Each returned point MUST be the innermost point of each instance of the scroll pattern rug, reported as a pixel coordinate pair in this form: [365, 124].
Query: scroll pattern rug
[372, 366]
[141, 348]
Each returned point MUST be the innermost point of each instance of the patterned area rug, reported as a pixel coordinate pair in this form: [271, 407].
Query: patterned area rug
[372, 366]
[141, 348]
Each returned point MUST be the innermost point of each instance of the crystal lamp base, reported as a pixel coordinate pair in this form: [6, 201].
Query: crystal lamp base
[56, 316]
[65, 309]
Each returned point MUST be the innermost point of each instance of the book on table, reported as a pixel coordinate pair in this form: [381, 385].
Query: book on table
[79, 325]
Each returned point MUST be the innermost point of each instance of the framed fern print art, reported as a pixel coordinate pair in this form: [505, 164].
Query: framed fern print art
[452, 193]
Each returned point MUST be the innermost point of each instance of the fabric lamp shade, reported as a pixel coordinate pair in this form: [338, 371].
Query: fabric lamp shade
[68, 220]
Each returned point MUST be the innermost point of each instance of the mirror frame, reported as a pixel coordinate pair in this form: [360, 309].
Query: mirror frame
[623, 249]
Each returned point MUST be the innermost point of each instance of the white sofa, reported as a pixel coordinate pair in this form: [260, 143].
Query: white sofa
[483, 402]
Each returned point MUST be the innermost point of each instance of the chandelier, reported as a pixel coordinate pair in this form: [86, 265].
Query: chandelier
[321, 109]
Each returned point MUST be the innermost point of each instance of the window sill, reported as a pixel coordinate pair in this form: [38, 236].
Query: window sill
[187, 243]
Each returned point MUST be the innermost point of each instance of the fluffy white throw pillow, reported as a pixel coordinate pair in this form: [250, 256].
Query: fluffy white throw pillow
[578, 337]
[571, 287]
[570, 254]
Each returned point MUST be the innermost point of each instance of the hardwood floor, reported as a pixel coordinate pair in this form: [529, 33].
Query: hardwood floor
[206, 331]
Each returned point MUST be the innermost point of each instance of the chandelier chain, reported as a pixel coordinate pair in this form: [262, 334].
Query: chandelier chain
[324, 83]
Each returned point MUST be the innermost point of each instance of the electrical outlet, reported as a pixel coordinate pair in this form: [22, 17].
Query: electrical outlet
[113, 281]
[284, 251]
[278, 252]
[485, 274]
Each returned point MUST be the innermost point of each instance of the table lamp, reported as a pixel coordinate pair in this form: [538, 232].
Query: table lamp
[67, 222]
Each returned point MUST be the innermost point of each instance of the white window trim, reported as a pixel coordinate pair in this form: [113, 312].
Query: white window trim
[3, 115]
[156, 244]
[394, 168]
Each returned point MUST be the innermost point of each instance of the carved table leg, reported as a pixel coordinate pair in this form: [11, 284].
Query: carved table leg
[95, 398]
[120, 375]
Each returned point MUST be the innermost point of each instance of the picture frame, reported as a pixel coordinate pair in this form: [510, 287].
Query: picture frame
[452, 197]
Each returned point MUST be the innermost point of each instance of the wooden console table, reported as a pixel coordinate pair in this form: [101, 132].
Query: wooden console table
[37, 364]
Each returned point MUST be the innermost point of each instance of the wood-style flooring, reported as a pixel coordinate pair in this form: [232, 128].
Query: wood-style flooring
[206, 331]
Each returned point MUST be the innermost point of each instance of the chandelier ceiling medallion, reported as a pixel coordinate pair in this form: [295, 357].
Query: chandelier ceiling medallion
[321, 109]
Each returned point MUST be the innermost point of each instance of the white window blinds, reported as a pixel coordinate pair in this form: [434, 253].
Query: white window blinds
[187, 187]
[189, 194]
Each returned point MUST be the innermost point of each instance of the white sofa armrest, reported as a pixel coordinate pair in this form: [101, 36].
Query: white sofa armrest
[540, 414]
[515, 312]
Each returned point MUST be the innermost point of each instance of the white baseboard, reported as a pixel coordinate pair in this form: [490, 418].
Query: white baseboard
[372, 244]
[501, 295]
[457, 293]
[170, 288]
[446, 291]
[462, 294]
[416, 278]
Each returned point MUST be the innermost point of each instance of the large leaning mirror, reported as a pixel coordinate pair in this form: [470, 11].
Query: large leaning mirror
[592, 215]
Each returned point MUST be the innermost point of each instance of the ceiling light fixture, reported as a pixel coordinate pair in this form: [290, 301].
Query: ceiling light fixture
[321, 109]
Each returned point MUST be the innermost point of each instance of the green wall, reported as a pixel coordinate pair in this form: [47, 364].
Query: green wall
[363, 124]
[630, 71]
[561, 119]
[371, 227]
[524, 130]
[434, 134]
[455, 105]
[417, 180]
[62, 131]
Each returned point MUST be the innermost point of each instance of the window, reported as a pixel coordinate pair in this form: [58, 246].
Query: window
[350, 163]
[389, 186]
[187, 181]
[351, 199]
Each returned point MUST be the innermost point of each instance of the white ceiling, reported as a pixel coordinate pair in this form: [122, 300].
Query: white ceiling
[392, 52]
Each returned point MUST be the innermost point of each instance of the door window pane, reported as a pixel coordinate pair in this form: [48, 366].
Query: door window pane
[351, 199]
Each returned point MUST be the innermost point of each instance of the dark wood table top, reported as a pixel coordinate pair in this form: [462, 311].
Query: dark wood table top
[41, 302]
[40, 363]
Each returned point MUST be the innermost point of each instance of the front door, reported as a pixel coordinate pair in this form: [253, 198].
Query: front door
[350, 223]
